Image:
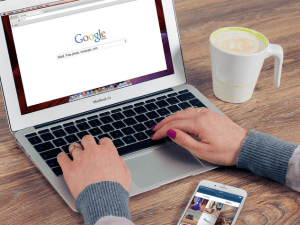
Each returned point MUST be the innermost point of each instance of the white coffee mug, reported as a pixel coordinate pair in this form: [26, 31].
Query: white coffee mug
[235, 75]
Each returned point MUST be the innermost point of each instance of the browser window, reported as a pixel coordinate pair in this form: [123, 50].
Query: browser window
[62, 53]
[210, 206]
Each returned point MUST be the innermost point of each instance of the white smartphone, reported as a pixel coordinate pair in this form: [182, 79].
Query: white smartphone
[213, 204]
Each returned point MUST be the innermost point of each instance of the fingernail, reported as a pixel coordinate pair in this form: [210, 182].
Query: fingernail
[152, 127]
[171, 133]
[152, 136]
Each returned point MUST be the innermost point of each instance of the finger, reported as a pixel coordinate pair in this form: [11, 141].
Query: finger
[75, 149]
[187, 126]
[180, 115]
[186, 141]
[64, 161]
[107, 143]
[87, 141]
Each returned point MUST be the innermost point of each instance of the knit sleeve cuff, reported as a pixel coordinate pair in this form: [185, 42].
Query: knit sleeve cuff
[103, 199]
[266, 155]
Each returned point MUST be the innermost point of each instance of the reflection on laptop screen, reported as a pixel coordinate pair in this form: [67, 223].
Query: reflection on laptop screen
[70, 50]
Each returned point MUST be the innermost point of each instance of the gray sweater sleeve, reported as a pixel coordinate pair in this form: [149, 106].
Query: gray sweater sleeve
[267, 156]
[103, 199]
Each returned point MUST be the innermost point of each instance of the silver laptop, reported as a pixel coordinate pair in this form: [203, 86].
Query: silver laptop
[108, 68]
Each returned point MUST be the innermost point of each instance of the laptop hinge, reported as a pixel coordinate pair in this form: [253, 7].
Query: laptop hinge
[101, 108]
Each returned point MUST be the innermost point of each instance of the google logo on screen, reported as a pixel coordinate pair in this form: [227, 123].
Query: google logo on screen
[92, 37]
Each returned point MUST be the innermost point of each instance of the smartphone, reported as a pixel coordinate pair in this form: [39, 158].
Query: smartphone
[213, 204]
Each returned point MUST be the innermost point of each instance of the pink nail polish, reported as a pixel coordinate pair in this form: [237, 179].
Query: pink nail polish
[152, 127]
[171, 133]
[151, 135]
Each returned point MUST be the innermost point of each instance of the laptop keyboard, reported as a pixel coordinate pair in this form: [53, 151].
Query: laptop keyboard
[129, 127]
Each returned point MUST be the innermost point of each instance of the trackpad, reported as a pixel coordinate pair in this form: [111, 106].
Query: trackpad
[165, 163]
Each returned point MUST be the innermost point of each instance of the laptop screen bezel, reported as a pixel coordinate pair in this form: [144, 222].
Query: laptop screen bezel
[18, 121]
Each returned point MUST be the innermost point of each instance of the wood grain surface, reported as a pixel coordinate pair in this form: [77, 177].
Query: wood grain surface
[27, 198]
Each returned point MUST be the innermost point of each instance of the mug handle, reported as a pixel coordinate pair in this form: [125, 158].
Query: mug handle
[277, 52]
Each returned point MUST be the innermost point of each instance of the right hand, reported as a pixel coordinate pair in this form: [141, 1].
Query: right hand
[221, 139]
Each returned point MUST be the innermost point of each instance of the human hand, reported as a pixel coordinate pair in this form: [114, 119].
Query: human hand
[93, 164]
[221, 139]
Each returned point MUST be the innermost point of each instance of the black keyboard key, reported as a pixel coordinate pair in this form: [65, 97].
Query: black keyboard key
[30, 135]
[172, 100]
[59, 133]
[71, 130]
[92, 117]
[95, 131]
[174, 108]
[149, 132]
[83, 126]
[150, 123]
[130, 121]
[52, 163]
[139, 104]
[117, 116]
[57, 171]
[162, 104]
[152, 115]
[44, 146]
[106, 119]
[129, 139]
[128, 130]
[163, 112]
[185, 97]
[129, 113]
[139, 127]
[116, 110]
[161, 97]
[168, 139]
[184, 105]
[159, 119]
[150, 100]
[82, 134]
[104, 135]
[43, 131]
[116, 134]
[196, 102]
[141, 118]
[34, 140]
[139, 145]
[151, 106]
[95, 123]
[68, 124]
[172, 95]
[80, 121]
[104, 114]
[55, 128]
[140, 136]
[140, 110]
[59, 142]
[107, 128]
[118, 124]
[71, 138]
[47, 137]
[50, 154]
[183, 91]
[127, 107]
[65, 148]
[118, 143]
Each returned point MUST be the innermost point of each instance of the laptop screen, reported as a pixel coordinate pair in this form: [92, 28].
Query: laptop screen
[70, 50]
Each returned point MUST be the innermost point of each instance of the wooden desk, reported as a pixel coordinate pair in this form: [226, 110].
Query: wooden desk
[27, 198]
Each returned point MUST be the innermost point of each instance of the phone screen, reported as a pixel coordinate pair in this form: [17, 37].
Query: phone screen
[211, 207]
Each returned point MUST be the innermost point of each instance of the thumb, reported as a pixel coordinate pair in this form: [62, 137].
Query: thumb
[188, 142]
[64, 161]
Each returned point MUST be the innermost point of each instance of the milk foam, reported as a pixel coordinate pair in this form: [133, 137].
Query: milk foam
[238, 42]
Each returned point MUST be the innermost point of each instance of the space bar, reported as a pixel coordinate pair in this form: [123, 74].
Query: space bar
[138, 146]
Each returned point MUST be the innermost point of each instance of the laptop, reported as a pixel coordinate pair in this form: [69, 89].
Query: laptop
[107, 68]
